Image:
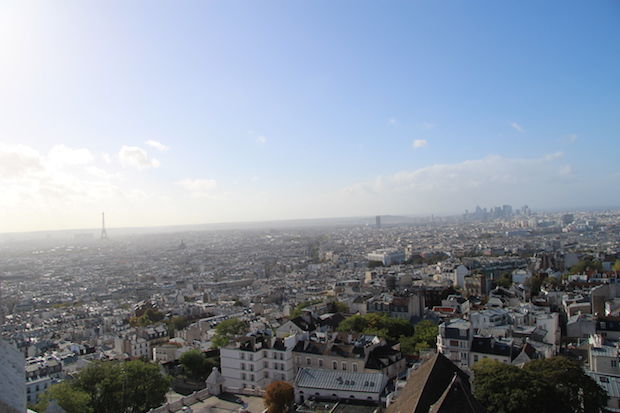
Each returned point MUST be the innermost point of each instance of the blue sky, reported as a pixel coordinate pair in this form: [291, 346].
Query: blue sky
[293, 109]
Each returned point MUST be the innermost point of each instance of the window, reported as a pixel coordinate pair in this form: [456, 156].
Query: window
[344, 365]
[454, 343]
[251, 367]
[354, 366]
[320, 362]
[251, 377]
[250, 356]
[463, 356]
[265, 364]
[266, 374]
[614, 363]
[242, 366]
[475, 358]
[242, 376]
[335, 365]
[242, 356]
[308, 362]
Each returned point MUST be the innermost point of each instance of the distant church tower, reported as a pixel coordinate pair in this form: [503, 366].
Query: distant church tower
[104, 233]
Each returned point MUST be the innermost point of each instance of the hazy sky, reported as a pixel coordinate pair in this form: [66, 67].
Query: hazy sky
[184, 112]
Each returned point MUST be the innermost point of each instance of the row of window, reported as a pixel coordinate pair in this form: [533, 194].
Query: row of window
[320, 362]
[274, 355]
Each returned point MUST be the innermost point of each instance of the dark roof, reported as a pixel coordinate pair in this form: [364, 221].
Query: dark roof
[305, 325]
[488, 345]
[608, 323]
[457, 398]
[427, 385]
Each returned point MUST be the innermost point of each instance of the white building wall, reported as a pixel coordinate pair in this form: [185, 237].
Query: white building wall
[245, 369]
[12, 379]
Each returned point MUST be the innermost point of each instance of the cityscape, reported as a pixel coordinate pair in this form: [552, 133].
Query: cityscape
[292, 206]
[511, 285]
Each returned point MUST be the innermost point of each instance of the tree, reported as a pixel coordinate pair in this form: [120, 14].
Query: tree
[555, 385]
[197, 365]
[616, 266]
[337, 307]
[279, 397]
[575, 391]
[378, 324]
[134, 386]
[504, 281]
[70, 399]
[228, 329]
[425, 337]
[504, 388]
[535, 282]
[585, 264]
[296, 312]
[144, 386]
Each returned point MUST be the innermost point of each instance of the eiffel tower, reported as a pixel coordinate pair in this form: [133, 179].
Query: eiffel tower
[104, 233]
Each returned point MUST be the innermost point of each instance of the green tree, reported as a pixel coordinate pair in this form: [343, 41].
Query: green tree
[503, 388]
[337, 307]
[131, 387]
[296, 312]
[534, 283]
[227, 330]
[616, 266]
[144, 386]
[279, 397]
[379, 324]
[575, 391]
[503, 281]
[103, 381]
[425, 337]
[585, 264]
[555, 385]
[70, 399]
[197, 365]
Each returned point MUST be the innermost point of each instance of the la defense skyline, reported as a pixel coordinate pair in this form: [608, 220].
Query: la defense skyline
[504, 211]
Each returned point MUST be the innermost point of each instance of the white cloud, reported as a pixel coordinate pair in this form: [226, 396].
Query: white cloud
[517, 127]
[63, 155]
[571, 138]
[136, 157]
[261, 139]
[492, 180]
[392, 121]
[199, 187]
[58, 188]
[17, 160]
[419, 143]
[157, 145]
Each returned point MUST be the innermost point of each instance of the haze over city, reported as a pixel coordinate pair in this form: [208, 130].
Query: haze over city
[164, 113]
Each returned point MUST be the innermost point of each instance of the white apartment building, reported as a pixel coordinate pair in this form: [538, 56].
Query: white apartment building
[454, 341]
[40, 374]
[133, 346]
[12, 379]
[387, 256]
[258, 360]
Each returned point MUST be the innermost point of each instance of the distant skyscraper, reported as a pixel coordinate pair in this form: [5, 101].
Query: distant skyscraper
[378, 221]
[104, 233]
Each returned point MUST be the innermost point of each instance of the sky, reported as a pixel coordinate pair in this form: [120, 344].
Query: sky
[171, 113]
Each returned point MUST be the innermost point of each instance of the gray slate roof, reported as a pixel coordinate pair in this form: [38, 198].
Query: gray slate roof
[340, 380]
